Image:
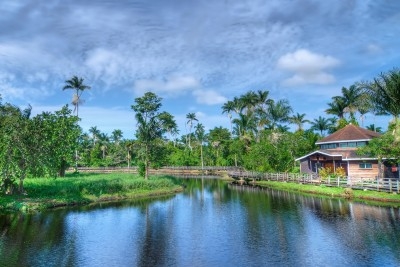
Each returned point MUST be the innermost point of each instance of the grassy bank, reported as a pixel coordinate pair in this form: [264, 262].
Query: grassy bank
[359, 195]
[78, 189]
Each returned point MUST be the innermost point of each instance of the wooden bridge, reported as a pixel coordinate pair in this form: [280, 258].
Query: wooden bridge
[194, 170]
[383, 184]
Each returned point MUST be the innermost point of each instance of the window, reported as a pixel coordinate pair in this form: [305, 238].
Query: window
[352, 144]
[365, 165]
[328, 146]
[359, 144]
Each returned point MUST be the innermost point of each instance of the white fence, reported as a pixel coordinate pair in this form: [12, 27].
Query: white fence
[382, 184]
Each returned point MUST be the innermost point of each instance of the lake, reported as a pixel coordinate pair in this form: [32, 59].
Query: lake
[211, 223]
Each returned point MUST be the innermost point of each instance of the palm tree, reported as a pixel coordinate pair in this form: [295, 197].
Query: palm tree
[372, 127]
[298, 120]
[169, 124]
[262, 100]
[104, 140]
[336, 107]
[190, 118]
[116, 136]
[129, 147]
[95, 134]
[321, 124]
[227, 108]
[352, 97]
[249, 101]
[384, 94]
[76, 84]
[200, 134]
[278, 112]
[244, 125]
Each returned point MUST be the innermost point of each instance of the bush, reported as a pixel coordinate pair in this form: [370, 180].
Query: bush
[348, 193]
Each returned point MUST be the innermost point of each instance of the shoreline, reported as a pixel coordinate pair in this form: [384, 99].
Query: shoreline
[87, 189]
[367, 197]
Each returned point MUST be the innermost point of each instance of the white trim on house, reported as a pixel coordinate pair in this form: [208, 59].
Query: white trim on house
[320, 152]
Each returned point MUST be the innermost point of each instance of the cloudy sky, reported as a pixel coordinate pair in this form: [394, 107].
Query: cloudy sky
[195, 54]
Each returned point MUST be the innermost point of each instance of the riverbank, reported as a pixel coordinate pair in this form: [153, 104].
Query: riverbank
[372, 197]
[86, 188]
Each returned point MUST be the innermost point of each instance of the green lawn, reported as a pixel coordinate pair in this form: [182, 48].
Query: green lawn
[359, 195]
[86, 188]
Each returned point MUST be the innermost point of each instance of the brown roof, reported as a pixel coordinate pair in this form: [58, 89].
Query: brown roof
[349, 133]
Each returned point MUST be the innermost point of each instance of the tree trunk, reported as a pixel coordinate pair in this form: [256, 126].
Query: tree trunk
[62, 169]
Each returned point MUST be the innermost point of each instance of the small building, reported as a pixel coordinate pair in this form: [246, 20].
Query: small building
[339, 150]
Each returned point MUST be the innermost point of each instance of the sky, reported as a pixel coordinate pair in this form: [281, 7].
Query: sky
[195, 54]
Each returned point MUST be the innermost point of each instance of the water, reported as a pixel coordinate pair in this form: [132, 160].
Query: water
[209, 224]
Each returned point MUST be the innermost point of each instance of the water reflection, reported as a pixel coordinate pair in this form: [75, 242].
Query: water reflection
[209, 224]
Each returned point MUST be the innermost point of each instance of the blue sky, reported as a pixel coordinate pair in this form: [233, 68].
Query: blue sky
[195, 54]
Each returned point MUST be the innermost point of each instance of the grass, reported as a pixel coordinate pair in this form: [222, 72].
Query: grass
[78, 189]
[372, 197]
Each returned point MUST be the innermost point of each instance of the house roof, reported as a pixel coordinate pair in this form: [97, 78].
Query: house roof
[349, 133]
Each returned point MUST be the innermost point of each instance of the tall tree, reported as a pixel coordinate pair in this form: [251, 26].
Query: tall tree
[336, 107]
[384, 94]
[190, 118]
[76, 83]
[228, 108]
[169, 124]
[200, 135]
[150, 127]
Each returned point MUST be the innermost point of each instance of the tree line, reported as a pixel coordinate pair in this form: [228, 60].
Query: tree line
[259, 137]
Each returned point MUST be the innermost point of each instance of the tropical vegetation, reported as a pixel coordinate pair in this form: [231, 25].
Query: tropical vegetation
[265, 134]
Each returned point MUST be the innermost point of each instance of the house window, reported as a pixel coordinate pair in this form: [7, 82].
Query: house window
[359, 144]
[328, 146]
[352, 144]
[365, 165]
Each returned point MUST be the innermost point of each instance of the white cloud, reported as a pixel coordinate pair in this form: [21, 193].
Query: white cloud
[308, 67]
[172, 86]
[373, 49]
[209, 97]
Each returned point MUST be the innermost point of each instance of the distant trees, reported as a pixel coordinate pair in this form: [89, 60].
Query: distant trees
[255, 112]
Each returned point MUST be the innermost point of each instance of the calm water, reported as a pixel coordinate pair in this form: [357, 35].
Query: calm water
[210, 224]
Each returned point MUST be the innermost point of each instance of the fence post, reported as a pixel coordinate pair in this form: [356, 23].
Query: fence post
[390, 185]
[377, 183]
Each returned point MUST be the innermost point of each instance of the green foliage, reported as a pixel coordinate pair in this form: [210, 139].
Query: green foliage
[151, 125]
[326, 172]
[41, 146]
[86, 188]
